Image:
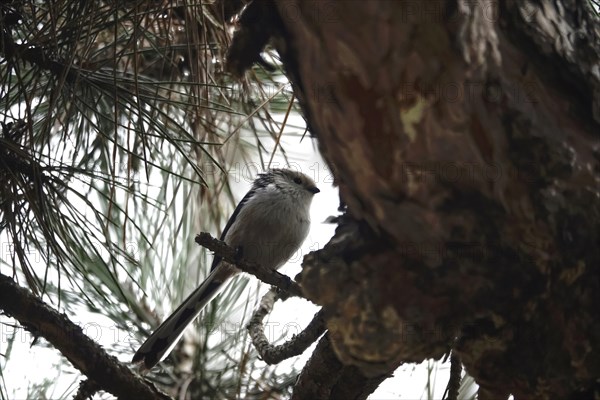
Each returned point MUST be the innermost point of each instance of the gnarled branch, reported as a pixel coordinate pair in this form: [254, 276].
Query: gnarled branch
[293, 347]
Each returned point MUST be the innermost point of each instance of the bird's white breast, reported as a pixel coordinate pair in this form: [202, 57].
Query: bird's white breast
[270, 228]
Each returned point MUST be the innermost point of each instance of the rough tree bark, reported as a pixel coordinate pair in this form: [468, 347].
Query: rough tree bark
[464, 138]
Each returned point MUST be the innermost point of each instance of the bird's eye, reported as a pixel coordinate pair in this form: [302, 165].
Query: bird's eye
[297, 180]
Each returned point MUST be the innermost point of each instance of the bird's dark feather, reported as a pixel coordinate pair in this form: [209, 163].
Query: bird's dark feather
[262, 181]
[247, 197]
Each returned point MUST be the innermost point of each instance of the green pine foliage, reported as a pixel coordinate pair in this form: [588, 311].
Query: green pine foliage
[118, 126]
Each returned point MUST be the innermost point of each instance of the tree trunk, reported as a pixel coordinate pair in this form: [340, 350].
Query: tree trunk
[464, 139]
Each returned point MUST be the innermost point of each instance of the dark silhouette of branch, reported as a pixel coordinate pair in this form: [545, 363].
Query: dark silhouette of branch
[325, 377]
[319, 374]
[68, 338]
[300, 342]
[231, 255]
[34, 54]
[257, 24]
[454, 380]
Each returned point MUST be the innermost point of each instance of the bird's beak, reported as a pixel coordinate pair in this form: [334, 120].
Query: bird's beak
[314, 190]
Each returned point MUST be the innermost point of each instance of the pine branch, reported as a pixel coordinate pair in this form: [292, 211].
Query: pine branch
[85, 355]
[34, 54]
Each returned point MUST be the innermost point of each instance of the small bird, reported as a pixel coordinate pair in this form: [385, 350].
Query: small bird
[268, 226]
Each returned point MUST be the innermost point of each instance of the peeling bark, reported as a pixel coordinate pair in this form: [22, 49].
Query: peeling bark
[464, 138]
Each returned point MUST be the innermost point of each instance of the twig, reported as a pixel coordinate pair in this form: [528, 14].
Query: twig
[68, 338]
[293, 347]
[229, 254]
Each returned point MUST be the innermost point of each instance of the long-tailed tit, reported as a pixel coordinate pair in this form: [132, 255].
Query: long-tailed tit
[268, 226]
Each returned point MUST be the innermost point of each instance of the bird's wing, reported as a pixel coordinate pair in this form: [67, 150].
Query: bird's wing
[237, 210]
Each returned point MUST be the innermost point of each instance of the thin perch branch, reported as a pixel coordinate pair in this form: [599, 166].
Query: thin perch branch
[68, 338]
[295, 346]
[229, 254]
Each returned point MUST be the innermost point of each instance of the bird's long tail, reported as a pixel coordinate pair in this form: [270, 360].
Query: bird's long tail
[166, 336]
